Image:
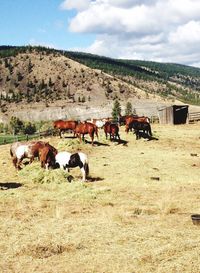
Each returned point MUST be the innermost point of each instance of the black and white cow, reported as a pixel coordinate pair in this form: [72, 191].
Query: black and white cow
[66, 160]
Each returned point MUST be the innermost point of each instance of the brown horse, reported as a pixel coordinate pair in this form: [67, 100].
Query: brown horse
[30, 150]
[112, 129]
[64, 125]
[47, 156]
[86, 128]
[130, 119]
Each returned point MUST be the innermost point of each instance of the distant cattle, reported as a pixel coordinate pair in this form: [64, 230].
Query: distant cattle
[86, 128]
[112, 129]
[66, 160]
[138, 126]
[30, 150]
[64, 125]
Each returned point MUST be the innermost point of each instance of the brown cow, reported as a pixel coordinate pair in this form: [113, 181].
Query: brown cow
[64, 125]
[86, 128]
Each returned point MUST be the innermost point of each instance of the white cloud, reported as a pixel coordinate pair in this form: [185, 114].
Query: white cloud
[75, 4]
[165, 30]
[186, 34]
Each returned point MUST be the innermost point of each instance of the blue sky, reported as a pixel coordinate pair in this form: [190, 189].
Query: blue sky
[155, 30]
[43, 22]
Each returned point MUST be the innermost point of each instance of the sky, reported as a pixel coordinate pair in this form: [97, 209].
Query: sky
[153, 30]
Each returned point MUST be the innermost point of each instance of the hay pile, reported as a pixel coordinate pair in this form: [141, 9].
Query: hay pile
[36, 174]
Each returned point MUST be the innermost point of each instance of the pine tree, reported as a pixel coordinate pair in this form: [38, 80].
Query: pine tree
[116, 111]
[16, 125]
[129, 109]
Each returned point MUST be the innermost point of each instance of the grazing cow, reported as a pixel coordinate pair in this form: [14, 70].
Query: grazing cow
[31, 150]
[112, 129]
[66, 160]
[140, 126]
[86, 128]
[64, 125]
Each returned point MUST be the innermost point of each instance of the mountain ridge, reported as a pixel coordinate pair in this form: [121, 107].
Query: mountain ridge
[41, 80]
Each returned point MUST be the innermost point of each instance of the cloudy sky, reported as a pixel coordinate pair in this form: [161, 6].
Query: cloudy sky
[158, 30]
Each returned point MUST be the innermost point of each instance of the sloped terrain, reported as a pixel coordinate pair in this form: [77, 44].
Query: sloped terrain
[41, 84]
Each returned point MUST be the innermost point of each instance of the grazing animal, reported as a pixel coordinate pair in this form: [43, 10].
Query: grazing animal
[112, 129]
[64, 125]
[66, 160]
[86, 128]
[31, 150]
[140, 126]
[130, 119]
[47, 156]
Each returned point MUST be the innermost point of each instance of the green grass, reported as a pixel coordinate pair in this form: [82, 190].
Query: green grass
[5, 139]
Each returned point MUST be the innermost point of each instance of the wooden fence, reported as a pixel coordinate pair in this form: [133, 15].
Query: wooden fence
[194, 117]
[13, 138]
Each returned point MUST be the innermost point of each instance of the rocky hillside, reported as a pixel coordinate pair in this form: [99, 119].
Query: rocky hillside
[41, 84]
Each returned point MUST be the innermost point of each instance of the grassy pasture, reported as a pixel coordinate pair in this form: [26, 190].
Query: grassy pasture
[132, 216]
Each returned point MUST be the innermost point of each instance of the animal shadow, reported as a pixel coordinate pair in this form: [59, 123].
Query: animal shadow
[120, 141]
[94, 179]
[9, 185]
[97, 143]
[146, 136]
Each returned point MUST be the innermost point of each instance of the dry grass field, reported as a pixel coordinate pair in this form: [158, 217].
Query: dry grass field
[132, 216]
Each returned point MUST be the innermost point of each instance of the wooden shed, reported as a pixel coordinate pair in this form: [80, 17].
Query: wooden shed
[175, 114]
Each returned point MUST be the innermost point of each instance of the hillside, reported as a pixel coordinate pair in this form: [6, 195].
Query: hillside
[166, 79]
[40, 83]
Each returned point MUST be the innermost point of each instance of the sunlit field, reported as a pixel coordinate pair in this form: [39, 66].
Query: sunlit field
[133, 215]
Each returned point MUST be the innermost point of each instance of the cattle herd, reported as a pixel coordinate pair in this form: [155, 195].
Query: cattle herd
[50, 157]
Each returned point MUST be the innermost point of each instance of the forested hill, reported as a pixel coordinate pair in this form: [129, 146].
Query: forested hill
[165, 79]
